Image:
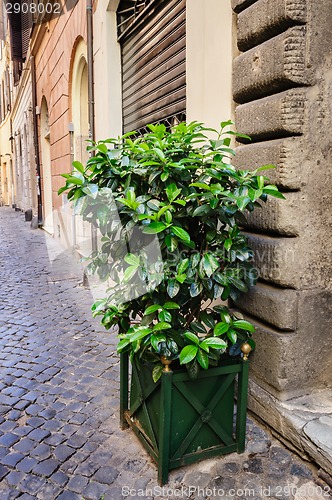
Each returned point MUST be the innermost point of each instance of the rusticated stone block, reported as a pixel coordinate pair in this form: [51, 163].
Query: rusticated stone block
[284, 217]
[274, 116]
[272, 358]
[268, 18]
[275, 306]
[283, 153]
[238, 5]
[296, 361]
[276, 260]
[271, 67]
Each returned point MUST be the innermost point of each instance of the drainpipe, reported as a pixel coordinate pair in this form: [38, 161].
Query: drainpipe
[91, 103]
[35, 134]
[89, 19]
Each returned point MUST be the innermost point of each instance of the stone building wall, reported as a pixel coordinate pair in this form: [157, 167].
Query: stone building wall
[282, 83]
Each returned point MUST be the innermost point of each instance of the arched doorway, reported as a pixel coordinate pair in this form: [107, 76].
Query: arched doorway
[80, 120]
[46, 168]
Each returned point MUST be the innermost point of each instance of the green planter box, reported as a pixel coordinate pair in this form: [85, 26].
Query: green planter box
[180, 421]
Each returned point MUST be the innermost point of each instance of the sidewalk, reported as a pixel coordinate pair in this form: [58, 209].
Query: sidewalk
[59, 385]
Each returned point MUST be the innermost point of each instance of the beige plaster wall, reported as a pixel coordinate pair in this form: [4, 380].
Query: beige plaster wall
[209, 57]
[107, 71]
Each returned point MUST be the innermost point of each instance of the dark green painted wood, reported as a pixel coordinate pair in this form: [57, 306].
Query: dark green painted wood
[241, 414]
[124, 370]
[202, 455]
[165, 426]
[180, 421]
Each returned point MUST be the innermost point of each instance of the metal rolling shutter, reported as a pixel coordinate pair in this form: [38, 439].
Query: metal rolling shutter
[153, 64]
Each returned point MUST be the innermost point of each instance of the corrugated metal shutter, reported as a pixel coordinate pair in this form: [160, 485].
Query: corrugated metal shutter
[153, 64]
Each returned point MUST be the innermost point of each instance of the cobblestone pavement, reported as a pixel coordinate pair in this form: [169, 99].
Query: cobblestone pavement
[59, 384]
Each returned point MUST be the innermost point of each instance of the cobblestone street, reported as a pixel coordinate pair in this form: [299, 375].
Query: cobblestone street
[59, 384]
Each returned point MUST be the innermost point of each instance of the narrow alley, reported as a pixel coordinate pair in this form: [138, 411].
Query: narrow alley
[59, 430]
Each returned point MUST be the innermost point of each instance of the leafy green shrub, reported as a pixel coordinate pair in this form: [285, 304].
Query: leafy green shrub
[180, 186]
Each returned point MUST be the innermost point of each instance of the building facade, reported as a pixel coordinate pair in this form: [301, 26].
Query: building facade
[109, 66]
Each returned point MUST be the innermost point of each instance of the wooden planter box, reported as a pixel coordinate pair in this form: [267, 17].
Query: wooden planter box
[180, 421]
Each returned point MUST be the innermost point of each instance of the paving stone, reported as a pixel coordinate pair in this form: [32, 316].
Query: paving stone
[35, 422]
[3, 471]
[27, 464]
[8, 439]
[55, 439]
[134, 464]
[76, 441]
[41, 452]
[254, 465]
[62, 452]
[32, 484]
[25, 445]
[39, 434]
[50, 490]
[9, 425]
[94, 490]
[14, 478]
[12, 459]
[47, 467]
[300, 471]
[77, 484]
[22, 431]
[106, 475]
[69, 495]
[60, 478]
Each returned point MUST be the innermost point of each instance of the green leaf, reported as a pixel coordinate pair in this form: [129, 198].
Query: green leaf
[188, 353]
[181, 233]
[207, 319]
[201, 210]
[210, 264]
[227, 244]
[91, 190]
[163, 325]
[192, 337]
[275, 194]
[172, 192]
[171, 243]
[197, 327]
[215, 343]
[165, 316]
[75, 180]
[129, 273]
[238, 284]
[264, 167]
[232, 335]
[151, 309]
[62, 190]
[203, 359]
[183, 266]
[154, 228]
[168, 216]
[244, 325]
[131, 259]
[157, 372]
[78, 166]
[122, 345]
[171, 305]
[164, 176]
[220, 329]
[195, 289]
[173, 288]
[139, 333]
